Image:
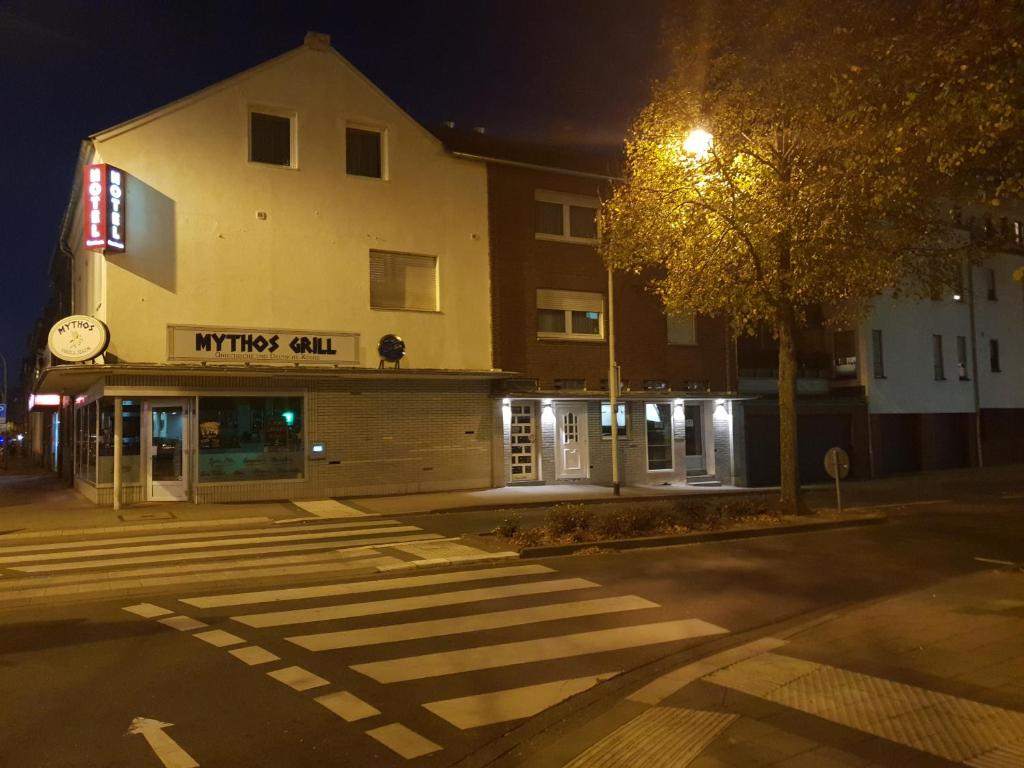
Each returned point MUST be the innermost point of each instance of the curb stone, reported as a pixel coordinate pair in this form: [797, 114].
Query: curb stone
[490, 557]
[552, 550]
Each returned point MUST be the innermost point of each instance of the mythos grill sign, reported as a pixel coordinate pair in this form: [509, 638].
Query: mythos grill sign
[104, 205]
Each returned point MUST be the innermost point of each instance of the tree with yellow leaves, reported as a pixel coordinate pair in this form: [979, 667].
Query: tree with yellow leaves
[825, 167]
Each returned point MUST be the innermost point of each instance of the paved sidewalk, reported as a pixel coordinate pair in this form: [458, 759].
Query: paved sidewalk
[528, 495]
[932, 678]
[34, 500]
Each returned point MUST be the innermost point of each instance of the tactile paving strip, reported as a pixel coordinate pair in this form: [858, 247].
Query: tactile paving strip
[763, 674]
[943, 725]
[660, 737]
[1010, 756]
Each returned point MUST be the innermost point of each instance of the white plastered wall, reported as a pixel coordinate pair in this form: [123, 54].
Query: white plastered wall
[907, 327]
[198, 254]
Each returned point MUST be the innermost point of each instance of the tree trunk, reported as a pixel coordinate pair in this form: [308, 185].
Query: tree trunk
[790, 499]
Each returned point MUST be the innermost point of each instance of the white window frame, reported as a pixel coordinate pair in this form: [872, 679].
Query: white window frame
[569, 302]
[293, 135]
[623, 428]
[382, 131]
[566, 199]
[437, 281]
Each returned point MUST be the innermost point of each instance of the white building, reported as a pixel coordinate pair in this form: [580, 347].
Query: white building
[275, 227]
[927, 372]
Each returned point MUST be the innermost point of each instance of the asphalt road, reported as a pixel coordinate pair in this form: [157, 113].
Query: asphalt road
[73, 678]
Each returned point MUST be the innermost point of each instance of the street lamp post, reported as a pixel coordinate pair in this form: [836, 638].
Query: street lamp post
[613, 386]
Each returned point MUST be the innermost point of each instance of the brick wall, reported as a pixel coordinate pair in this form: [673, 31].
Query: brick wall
[520, 264]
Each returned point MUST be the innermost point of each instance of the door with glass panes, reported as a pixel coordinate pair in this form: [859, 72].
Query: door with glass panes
[167, 439]
[523, 441]
[572, 453]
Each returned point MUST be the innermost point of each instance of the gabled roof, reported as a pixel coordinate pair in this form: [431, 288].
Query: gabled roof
[314, 41]
[598, 161]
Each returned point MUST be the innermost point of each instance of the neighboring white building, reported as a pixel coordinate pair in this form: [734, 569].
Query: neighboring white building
[277, 225]
[917, 367]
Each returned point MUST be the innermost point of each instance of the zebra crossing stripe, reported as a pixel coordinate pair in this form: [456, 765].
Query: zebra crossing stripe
[147, 610]
[347, 706]
[530, 651]
[393, 633]
[362, 587]
[512, 704]
[253, 655]
[183, 623]
[219, 638]
[181, 545]
[212, 554]
[142, 539]
[182, 568]
[403, 741]
[329, 612]
[298, 678]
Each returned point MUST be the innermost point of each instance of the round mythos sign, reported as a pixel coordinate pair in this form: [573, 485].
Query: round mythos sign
[77, 338]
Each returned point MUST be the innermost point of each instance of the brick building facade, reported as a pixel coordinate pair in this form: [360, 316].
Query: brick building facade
[550, 321]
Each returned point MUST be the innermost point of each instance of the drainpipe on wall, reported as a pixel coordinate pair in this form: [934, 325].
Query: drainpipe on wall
[974, 362]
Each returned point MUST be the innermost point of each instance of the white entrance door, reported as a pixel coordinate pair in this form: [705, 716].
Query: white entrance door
[572, 454]
[522, 442]
[168, 450]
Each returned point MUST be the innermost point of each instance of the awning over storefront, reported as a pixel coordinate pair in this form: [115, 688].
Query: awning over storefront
[72, 379]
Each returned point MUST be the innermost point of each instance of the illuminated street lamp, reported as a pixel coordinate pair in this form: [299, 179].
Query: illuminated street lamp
[698, 143]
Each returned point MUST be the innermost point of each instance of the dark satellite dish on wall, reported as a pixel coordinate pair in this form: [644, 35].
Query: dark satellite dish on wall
[391, 349]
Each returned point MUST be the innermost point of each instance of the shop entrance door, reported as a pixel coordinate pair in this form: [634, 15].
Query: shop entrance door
[572, 455]
[168, 450]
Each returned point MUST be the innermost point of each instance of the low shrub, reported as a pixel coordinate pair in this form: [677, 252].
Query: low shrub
[630, 523]
[529, 537]
[572, 520]
[509, 527]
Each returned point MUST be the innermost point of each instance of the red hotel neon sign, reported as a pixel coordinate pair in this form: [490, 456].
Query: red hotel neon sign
[104, 208]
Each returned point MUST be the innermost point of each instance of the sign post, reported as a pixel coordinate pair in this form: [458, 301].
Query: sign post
[837, 464]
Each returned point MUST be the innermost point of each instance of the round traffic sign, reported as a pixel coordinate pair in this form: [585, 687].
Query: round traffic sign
[837, 463]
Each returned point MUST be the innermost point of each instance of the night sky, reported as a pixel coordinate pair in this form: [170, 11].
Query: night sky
[535, 69]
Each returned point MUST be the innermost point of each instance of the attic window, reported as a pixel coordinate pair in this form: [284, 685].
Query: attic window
[270, 138]
[363, 155]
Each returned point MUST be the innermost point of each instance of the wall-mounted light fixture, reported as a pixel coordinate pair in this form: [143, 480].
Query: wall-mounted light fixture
[548, 412]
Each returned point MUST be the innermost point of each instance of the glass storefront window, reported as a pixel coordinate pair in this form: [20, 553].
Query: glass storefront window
[85, 436]
[659, 436]
[80, 441]
[90, 441]
[250, 438]
[131, 464]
